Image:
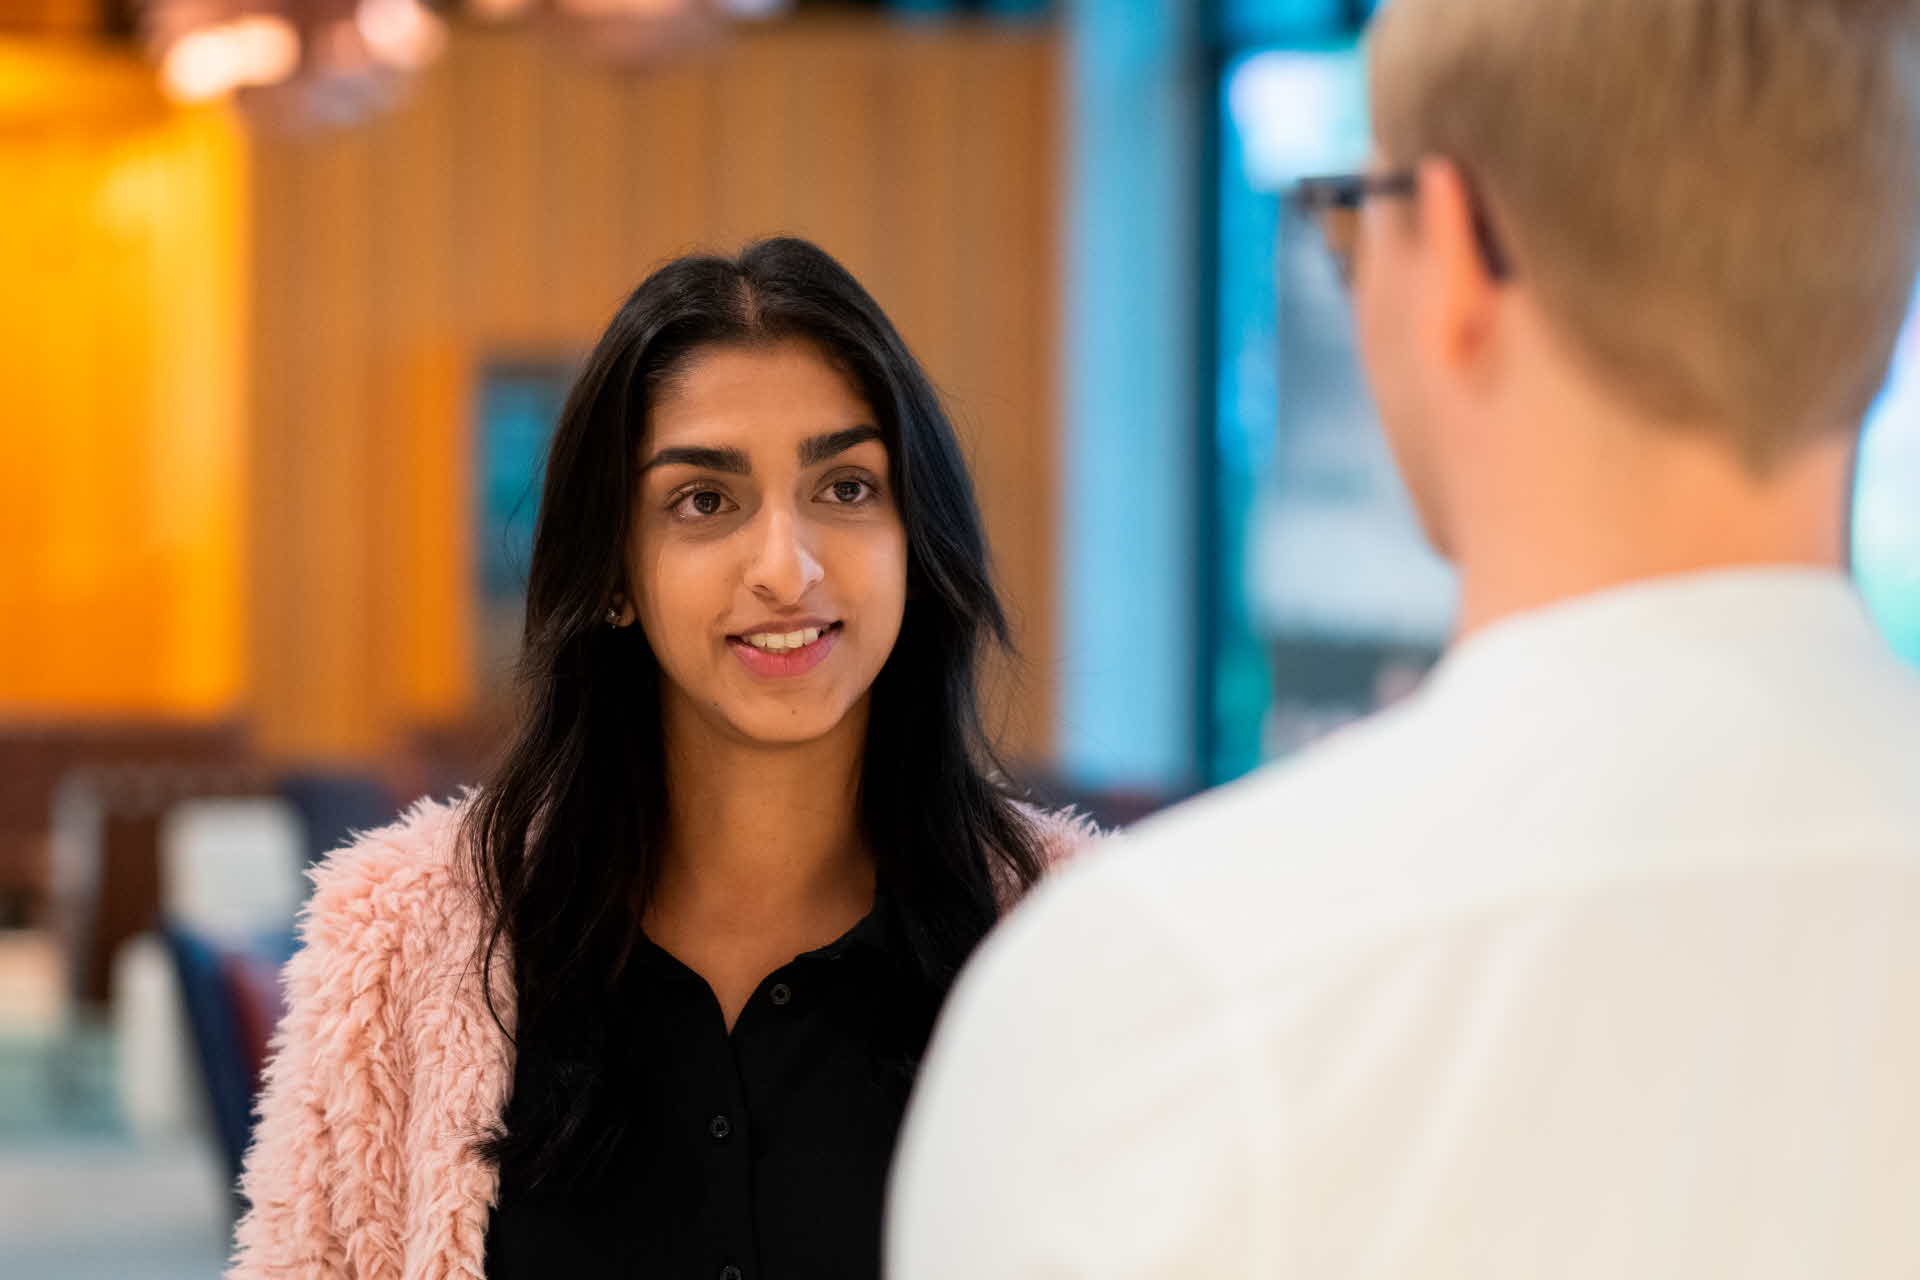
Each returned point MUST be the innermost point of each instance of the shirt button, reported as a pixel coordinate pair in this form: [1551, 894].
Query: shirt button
[781, 993]
[719, 1127]
[730, 1273]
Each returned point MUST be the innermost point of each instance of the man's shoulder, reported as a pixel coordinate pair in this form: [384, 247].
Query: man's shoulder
[1363, 778]
[1232, 868]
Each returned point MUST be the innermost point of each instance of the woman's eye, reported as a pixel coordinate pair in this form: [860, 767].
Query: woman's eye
[850, 492]
[701, 502]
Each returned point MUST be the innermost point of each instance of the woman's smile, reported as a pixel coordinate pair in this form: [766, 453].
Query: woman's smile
[781, 654]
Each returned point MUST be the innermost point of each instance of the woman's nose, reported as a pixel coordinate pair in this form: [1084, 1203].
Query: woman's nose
[783, 568]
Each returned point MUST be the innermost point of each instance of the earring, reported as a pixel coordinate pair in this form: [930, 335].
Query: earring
[613, 615]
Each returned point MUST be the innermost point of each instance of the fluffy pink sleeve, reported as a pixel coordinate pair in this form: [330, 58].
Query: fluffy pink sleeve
[1062, 836]
[322, 1176]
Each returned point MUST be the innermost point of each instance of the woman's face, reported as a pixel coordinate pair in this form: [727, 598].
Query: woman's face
[768, 562]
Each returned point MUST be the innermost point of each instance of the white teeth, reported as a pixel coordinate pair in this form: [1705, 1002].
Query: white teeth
[780, 642]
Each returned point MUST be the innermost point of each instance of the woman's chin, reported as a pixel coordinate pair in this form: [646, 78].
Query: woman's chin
[775, 727]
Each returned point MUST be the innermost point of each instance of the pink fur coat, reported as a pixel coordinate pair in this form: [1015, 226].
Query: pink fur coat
[388, 1065]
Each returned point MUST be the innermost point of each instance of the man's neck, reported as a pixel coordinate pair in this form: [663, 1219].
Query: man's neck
[1605, 517]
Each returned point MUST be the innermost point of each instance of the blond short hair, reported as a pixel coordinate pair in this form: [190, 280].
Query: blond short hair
[1717, 201]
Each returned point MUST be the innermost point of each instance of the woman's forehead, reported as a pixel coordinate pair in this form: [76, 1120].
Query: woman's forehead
[772, 395]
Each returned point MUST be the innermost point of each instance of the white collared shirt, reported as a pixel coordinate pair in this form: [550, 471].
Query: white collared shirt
[1600, 958]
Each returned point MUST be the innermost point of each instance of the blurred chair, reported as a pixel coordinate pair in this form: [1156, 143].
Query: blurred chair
[442, 759]
[230, 867]
[230, 1013]
[215, 879]
[231, 885]
[333, 806]
[156, 1072]
[174, 891]
[105, 877]
[34, 758]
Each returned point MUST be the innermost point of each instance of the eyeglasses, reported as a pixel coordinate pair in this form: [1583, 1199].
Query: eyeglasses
[1335, 202]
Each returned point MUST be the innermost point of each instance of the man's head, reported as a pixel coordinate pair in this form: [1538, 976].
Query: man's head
[1708, 212]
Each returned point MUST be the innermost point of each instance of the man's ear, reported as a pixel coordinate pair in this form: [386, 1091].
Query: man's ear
[1458, 289]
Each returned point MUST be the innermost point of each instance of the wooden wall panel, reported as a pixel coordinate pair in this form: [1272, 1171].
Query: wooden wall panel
[415, 209]
[506, 209]
[593, 221]
[669, 154]
[747, 127]
[501, 237]
[920, 188]
[1009, 255]
[829, 181]
[424, 404]
[325, 574]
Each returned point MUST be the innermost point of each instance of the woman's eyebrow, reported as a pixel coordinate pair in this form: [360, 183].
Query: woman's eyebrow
[730, 460]
[817, 449]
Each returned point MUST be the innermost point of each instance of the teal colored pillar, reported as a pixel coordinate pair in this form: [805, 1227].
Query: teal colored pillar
[1130, 582]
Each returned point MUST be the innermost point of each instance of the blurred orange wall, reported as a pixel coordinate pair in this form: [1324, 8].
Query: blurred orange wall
[122, 356]
[235, 438]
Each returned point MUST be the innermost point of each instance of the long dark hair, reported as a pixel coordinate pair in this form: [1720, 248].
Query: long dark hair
[564, 838]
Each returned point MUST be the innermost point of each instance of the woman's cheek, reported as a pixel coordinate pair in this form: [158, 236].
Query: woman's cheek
[681, 586]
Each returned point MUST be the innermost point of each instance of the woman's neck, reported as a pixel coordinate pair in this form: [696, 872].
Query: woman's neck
[758, 832]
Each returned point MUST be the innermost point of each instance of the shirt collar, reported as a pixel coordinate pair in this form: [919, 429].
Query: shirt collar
[874, 932]
[1761, 615]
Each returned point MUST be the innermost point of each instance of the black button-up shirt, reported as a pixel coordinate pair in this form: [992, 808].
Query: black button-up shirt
[760, 1154]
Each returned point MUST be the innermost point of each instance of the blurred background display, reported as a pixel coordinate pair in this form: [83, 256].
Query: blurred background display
[519, 405]
[1325, 601]
[293, 293]
[1886, 517]
[1326, 598]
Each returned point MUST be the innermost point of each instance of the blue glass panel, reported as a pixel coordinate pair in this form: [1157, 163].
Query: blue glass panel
[1274, 22]
[1325, 594]
[1140, 105]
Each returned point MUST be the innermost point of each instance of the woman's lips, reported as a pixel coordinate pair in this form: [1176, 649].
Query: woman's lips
[789, 662]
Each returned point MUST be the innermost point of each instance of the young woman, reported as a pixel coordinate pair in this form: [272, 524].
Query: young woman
[650, 1002]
